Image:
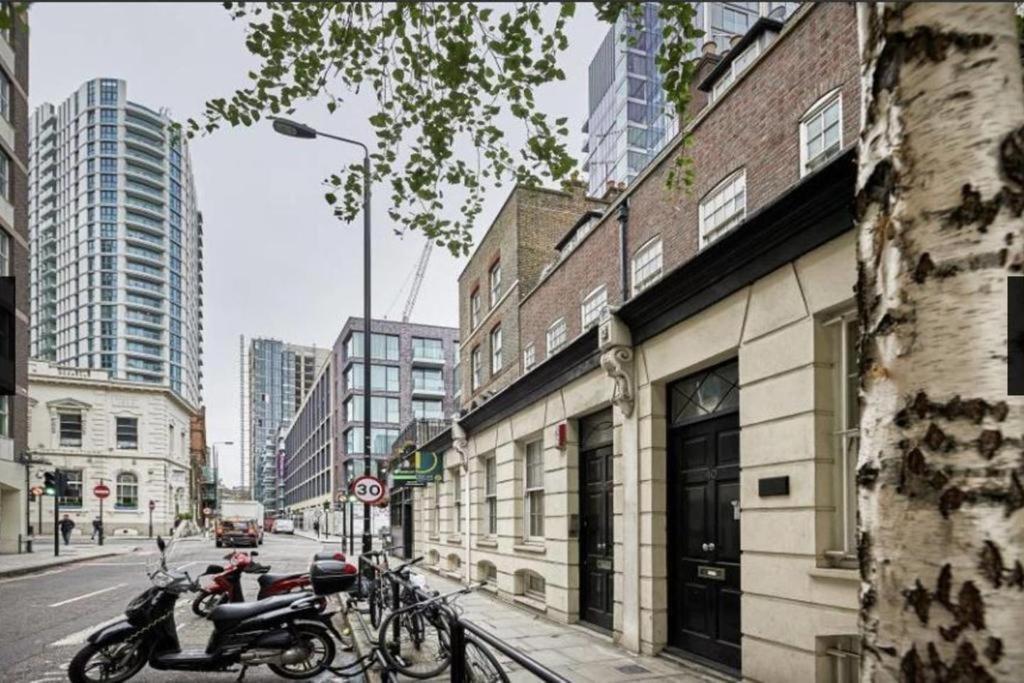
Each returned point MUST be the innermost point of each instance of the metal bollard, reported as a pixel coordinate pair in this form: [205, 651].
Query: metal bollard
[458, 655]
[396, 604]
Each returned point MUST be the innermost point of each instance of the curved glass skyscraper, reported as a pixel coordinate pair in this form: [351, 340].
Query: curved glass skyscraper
[116, 241]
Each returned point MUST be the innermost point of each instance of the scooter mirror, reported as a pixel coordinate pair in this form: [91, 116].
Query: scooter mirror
[253, 553]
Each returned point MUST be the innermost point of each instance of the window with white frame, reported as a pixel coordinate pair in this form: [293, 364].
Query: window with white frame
[738, 66]
[821, 132]
[127, 491]
[5, 175]
[496, 350]
[127, 433]
[436, 521]
[5, 96]
[533, 490]
[646, 265]
[5, 253]
[723, 207]
[494, 279]
[556, 335]
[5, 417]
[529, 356]
[72, 497]
[457, 498]
[846, 435]
[594, 307]
[491, 495]
[474, 309]
[474, 367]
[534, 585]
[70, 424]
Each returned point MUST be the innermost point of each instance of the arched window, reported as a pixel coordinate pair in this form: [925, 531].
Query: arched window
[434, 557]
[486, 571]
[127, 491]
[454, 562]
[531, 584]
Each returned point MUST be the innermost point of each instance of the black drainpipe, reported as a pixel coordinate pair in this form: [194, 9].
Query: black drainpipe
[623, 257]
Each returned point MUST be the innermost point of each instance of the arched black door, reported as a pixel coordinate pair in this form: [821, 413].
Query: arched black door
[703, 515]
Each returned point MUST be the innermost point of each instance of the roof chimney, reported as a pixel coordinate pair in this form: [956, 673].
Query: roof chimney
[611, 191]
[710, 47]
[735, 39]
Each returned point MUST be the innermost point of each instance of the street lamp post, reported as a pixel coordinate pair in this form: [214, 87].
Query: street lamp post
[302, 131]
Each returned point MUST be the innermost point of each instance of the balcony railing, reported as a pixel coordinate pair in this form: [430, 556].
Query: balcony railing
[417, 433]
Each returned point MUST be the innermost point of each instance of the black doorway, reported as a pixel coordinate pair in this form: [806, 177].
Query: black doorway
[597, 567]
[703, 516]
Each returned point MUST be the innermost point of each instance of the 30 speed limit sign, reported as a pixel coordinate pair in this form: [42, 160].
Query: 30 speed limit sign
[368, 489]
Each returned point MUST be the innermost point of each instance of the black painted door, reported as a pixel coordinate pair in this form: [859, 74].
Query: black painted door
[704, 538]
[597, 573]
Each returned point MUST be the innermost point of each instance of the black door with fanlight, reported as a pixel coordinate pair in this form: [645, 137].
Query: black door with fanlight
[703, 516]
[597, 573]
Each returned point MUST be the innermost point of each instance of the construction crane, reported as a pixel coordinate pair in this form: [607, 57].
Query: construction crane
[417, 280]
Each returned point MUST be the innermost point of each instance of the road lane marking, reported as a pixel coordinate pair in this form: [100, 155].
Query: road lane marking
[78, 637]
[87, 595]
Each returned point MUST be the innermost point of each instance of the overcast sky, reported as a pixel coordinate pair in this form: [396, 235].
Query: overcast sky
[277, 263]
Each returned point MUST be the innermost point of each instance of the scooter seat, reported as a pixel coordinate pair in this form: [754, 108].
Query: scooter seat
[244, 610]
[268, 579]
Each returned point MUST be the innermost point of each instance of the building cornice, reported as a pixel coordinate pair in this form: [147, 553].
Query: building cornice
[112, 385]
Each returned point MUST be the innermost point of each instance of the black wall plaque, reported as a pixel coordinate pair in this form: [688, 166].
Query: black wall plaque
[773, 486]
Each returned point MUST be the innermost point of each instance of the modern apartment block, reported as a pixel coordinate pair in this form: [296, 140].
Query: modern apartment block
[14, 305]
[411, 377]
[677, 466]
[116, 241]
[508, 262]
[629, 120]
[280, 375]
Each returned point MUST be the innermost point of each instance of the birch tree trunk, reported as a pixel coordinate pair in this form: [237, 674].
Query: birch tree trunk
[939, 201]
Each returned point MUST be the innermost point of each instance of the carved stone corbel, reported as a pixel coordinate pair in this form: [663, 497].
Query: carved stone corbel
[618, 363]
[461, 445]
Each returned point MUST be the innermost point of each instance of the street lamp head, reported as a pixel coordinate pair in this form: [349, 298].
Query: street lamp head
[294, 129]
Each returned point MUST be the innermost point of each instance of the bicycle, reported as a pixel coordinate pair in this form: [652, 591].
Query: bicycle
[420, 656]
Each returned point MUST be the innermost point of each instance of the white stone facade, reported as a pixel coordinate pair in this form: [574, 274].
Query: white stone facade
[799, 594]
[149, 463]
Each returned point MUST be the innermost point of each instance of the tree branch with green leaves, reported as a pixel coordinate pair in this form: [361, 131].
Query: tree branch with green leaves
[443, 75]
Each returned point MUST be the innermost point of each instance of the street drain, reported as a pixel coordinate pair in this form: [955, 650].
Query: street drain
[632, 669]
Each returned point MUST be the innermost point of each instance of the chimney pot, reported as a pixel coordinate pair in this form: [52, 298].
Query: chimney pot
[710, 47]
[735, 39]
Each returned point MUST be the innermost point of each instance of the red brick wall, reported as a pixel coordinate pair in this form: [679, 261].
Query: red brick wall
[754, 125]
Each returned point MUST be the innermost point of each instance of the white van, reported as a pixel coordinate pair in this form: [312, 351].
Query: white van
[284, 526]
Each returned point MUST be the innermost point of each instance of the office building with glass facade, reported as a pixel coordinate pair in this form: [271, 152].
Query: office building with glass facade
[116, 241]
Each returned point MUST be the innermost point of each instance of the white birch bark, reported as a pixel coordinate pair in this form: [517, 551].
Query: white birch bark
[939, 230]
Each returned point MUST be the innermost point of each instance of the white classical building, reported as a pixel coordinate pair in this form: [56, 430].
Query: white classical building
[132, 437]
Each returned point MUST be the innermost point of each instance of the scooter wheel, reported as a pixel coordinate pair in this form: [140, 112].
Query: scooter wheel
[91, 663]
[319, 644]
[205, 602]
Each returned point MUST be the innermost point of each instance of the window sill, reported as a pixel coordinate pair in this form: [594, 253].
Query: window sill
[835, 574]
[455, 540]
[532, 548]
[491, 586]
[487, 543]
[532, 603]
[434, 537]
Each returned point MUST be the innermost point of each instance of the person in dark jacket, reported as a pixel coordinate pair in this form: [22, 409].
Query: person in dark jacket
[66, 525]
[316, 527]
[97, 529]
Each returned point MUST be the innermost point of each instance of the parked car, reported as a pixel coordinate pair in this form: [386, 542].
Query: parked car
[284, 526]
[235, 532]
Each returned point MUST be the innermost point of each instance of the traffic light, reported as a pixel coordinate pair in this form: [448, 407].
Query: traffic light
[50, 483]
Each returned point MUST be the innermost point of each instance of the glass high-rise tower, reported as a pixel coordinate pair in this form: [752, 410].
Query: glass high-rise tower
[629, 119]
[116, 241]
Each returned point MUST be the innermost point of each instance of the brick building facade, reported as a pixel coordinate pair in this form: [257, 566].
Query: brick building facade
[507, 263]
[682, 477]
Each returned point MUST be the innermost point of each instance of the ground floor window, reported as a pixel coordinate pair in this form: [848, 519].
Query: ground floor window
[486, 571]
[127, 491]
[844, 333]
[533, 477]
[532, 584]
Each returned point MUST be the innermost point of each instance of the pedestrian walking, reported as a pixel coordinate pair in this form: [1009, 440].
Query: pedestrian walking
[316, 527]
[66, 525]
[97, 529]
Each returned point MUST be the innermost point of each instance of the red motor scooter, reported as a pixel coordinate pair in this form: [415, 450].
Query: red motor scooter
[225, 584]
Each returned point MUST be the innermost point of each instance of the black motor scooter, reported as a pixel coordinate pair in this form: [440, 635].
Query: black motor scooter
[290, 633]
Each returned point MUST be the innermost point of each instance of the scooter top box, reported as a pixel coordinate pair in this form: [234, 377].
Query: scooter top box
[331, 576]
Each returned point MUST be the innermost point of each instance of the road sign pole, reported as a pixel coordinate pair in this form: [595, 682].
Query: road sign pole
[151, 506]
[39, 503]
[56, 524]
[101, 521]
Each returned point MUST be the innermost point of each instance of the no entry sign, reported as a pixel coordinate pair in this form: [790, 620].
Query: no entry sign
[37, 491]
[152, 505]
[368, 489]
[101, 491]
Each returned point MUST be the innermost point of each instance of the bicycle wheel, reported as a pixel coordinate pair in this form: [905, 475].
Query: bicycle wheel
[481, 664]
[424, 659]
[376, 608]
